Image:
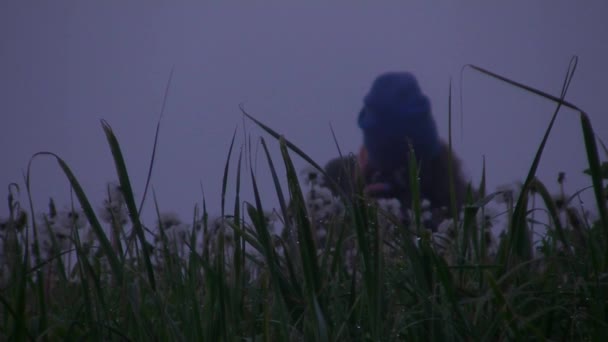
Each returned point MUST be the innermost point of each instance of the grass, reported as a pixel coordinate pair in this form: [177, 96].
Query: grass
[321, 268]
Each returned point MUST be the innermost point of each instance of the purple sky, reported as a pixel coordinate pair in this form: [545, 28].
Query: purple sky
[64, 65]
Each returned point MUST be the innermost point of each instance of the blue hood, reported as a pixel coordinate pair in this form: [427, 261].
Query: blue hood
[396, 112]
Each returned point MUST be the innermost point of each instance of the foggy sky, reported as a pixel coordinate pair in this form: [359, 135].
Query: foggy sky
[64, 65]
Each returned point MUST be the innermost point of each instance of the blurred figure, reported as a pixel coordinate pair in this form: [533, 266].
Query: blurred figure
[396, 114]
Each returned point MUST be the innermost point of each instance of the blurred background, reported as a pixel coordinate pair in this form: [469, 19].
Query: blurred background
[65, 65]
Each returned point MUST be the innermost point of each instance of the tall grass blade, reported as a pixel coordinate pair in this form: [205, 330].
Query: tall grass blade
[277, 186]
[239, 252]
[415, 189]
[305, 235]
[312, 276]
[156, 135]
[541, 189]
[20, 329]
[519, 244]
[289, 144]
[259, 222]
[597, 180]
[454, 208]
[226, 168]
[106, 246]
[40, 276]
[127, 190]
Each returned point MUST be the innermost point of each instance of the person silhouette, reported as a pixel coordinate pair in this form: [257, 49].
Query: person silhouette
[395, 117]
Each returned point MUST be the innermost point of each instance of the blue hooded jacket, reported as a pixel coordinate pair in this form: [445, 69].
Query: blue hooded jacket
[397, 113]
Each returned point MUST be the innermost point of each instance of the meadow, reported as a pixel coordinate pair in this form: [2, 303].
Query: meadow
[318, 268]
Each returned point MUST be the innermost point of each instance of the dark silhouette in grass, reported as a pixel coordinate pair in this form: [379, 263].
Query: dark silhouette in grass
[396, 114]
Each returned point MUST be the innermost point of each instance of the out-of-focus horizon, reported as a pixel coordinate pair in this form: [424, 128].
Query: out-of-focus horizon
[298, 68]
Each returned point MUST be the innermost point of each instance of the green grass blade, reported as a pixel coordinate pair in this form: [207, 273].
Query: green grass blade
[519, 244]
[415, 189]
[156, 135]
[20, 329]
[454, 208]
[277, 186]
[541, 189]
[596, 177]
[127, 190]
[481, 193]
[535, 91]
[226, 169]
[239, 256]
[307, 247]
[259, 222]
[106, 246]
[289, 144]
[82, 266]
[305, 235]
[40, 276]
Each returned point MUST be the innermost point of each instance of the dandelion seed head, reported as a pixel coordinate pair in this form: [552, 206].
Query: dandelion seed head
[391, 205]
[321, 203]
[427, 216]
[446, 227]
[425, 204]
[114, 210]
[311, 176]
[510, 192]
[168, 220]
[71, 219]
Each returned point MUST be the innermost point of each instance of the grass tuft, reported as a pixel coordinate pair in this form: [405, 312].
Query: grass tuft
[323, 267]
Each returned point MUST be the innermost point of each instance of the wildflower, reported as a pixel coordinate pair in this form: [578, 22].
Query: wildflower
[18, 223]
[272, 220]
[390, 215]
[508, 193]
[444, 237]
[392, 206]
[89, 238]
[219, 226]
[487, 220]
[71, 218]
[168, 220]
[114, 209]
[321, 203]
[177, 233]
[311, 176]
[426, 216]
[55, 235]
